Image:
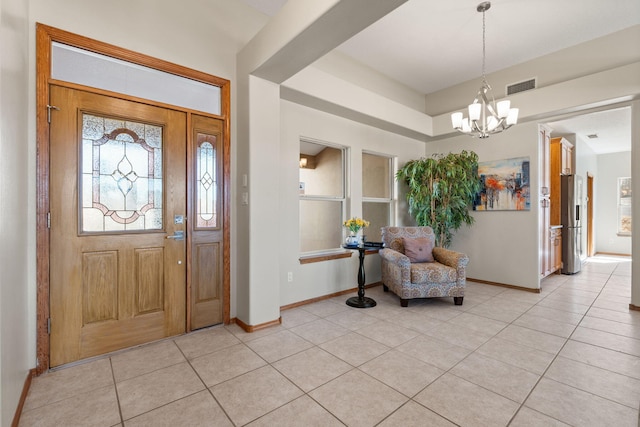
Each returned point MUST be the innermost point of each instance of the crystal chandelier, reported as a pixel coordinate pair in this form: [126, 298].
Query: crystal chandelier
[485, 116]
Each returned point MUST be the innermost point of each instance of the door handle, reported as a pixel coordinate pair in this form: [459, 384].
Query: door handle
[177, 235]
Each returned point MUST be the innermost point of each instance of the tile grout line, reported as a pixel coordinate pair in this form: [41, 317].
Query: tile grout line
[203, 383]
[115, 387]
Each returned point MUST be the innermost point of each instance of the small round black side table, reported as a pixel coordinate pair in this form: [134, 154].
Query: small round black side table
[361, 301]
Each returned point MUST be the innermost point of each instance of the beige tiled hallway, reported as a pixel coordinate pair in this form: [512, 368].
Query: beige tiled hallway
[567, 356]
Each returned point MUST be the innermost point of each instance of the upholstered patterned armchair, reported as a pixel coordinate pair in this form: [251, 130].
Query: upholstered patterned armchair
[444, 277]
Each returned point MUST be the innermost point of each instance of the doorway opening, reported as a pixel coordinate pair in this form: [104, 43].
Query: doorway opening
[602, 154]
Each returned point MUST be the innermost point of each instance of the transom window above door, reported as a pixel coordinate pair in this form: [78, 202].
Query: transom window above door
[75, 65]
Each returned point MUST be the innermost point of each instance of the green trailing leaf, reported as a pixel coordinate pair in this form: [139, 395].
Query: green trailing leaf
[441, 191]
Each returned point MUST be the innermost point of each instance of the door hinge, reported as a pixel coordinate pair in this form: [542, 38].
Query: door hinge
[49, 325]
[49, 108]
[48, 219]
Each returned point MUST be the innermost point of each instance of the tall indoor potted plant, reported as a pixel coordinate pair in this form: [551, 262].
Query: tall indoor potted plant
[441, 190]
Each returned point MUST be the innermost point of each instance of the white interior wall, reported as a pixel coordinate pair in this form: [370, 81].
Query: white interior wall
[17, 297]
[346, 68]
[264, 197]
[326, 178]
[323, 278]
[610, 168]
[502, 245]
[376, 176]
[201, 35]
[363, 103]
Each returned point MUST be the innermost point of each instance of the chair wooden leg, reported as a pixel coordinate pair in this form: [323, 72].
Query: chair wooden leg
[385, 288]
[404, 302]
[458, 300]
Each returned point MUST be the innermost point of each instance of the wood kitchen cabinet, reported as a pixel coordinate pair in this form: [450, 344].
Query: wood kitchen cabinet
[561, 163]
[563, 151]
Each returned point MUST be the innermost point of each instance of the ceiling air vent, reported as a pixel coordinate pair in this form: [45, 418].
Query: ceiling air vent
[521, 87]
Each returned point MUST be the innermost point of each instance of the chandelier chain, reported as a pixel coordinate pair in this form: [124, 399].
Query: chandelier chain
[484, 48]
[486, 117]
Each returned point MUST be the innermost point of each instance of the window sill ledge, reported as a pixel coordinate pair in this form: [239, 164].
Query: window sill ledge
[308, 259]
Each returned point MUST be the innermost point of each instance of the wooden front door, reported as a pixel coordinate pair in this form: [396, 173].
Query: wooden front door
[118, 206]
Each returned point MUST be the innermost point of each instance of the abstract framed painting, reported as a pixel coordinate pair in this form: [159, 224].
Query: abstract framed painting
[505, 185]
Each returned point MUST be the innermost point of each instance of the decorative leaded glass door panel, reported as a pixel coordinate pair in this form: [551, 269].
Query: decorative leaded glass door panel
[121, 177]
[117, 197]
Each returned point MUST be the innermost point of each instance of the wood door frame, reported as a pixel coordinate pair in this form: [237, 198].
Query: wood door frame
[45, 36]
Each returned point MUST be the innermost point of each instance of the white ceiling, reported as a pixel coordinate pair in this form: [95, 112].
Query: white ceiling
[611, 128]
[431, 45]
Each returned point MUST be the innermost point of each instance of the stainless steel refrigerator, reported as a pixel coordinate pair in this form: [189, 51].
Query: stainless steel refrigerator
[570, 197]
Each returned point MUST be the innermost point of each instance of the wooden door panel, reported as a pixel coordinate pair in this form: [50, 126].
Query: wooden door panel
[149, 268]
[116, 280]
[99, 286]
[206, 280]
[105, 337]
[207, 284]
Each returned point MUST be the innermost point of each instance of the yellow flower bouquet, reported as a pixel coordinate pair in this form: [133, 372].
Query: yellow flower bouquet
[355, 224]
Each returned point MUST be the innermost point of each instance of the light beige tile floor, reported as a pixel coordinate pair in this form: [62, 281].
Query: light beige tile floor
[569, 355]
